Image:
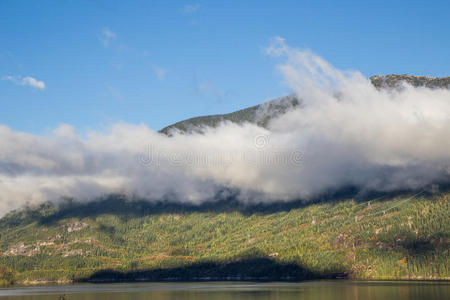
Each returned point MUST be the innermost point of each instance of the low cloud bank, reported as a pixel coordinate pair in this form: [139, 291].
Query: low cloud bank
[344, 132]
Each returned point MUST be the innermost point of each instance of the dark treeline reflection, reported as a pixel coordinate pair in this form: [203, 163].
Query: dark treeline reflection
[320, 290]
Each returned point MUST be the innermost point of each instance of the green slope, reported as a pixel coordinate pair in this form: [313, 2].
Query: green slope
[402, 237]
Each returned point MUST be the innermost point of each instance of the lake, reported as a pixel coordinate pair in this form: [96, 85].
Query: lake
[321, 290]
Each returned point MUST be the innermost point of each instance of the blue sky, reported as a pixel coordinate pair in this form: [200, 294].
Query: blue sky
[93, 63]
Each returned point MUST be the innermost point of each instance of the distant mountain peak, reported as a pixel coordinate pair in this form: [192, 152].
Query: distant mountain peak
[261, 114]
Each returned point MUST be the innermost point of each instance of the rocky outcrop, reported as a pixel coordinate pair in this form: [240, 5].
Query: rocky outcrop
[394, 81]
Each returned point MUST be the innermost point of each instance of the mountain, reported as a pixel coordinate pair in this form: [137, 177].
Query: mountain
[258, 114]
[390, 236]
[261, 114]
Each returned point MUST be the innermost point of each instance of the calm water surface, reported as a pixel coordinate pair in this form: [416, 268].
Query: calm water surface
[335, 290]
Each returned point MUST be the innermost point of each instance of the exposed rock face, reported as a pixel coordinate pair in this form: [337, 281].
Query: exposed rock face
[22, 250]
[76, 226]
[394, 80]
[18, 249]
[74, 252]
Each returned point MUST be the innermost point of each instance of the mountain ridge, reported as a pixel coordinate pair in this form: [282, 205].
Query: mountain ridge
[262, 113]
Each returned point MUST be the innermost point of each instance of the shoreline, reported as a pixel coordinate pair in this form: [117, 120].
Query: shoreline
[44, 283]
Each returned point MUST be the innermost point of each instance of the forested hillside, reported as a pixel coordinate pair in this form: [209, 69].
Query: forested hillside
[114, 239]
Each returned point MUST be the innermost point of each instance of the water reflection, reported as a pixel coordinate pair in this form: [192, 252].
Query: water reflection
[320, 290]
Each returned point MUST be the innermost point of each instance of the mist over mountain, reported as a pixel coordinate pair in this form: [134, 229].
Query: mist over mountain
[338, 129]
[183, 150]
[346, 177]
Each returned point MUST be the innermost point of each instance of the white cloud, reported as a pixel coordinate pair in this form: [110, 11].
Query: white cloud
[107, 36]
[346, 132]
[160, 73]
[30, 81]
[191, 8]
